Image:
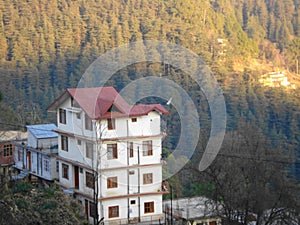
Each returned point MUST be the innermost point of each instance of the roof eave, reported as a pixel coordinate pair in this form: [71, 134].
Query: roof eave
[54, 105]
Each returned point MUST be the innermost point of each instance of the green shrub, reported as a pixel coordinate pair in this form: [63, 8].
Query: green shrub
[22, 204]
[22, 187]
[50, 205]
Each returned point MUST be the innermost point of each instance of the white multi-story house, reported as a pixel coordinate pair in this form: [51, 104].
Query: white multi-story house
[38, 155]
[110, 154]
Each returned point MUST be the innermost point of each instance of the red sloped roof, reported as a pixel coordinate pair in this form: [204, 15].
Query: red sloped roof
[97, 102]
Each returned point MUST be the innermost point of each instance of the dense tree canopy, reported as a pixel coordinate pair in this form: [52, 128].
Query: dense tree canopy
[47, 45]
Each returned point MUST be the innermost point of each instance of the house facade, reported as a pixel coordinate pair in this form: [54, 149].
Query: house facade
[38, 155]
[7, 148]
[110, 154]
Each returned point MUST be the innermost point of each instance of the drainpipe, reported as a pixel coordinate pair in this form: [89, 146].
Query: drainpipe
[37, 164]
[128, 207]
[139, 186]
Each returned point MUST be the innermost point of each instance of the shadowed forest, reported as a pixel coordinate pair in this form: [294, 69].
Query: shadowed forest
[46, 46]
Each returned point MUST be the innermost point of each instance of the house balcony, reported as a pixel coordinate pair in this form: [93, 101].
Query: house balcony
[46, 151]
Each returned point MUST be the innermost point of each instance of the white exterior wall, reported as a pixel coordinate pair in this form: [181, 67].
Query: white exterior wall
[123, 208]
[47, 143]
[157, 176]
[82, 183]
[53, 169]
[31, 140]
[73, 124]
[75, 151]
[148, 125]
[135, 210]
[157, 199]
[122, 159]
[122, 183]
[66, 182]
[37, 160]
[44, 143]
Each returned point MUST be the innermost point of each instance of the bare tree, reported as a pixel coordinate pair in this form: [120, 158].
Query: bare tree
[251, 180]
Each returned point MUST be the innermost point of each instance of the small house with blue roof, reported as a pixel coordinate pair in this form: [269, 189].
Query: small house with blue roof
[42, 136]
[38, 155]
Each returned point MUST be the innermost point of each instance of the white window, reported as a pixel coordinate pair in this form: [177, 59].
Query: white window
[46, 165]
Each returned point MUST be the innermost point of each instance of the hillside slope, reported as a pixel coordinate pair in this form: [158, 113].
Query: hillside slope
[25, 204]
[47, 45]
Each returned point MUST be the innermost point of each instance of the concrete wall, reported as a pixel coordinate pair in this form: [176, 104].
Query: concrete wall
[44, 143]
[147, 125]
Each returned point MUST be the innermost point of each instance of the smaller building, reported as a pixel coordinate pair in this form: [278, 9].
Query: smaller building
[7, 148]
[193, 211]
[38, 155]
[276, 79]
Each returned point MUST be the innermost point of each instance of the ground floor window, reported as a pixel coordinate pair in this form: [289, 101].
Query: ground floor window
[65, 171]
[113, 211]
[149, 207]
[93, 210]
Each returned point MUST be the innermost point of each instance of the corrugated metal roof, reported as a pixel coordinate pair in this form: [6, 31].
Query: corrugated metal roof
[12, 135]
[43, 130]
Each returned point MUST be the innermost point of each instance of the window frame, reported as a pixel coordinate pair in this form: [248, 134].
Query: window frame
[89, 180]
[7, 150]
[62, 116]
[131, 152]
[64, 143]
[88, 123]
[112, 151]
[148, 178]
[46, 165]
[148, 207]
[112, 182]
[65, 171]
[147, 148]
[89, 150]
[132, 202]
[92, 209]
[111, 123]
[57, 166]
[113, 211]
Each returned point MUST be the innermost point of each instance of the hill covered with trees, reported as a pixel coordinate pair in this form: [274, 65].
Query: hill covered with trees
[47, 45]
